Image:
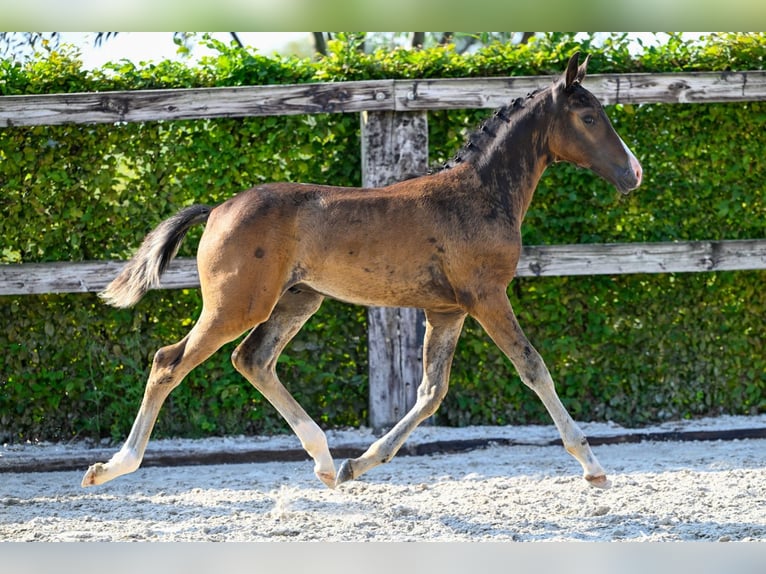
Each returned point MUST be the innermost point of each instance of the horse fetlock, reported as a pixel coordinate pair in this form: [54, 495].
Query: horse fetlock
[577, 450]
[576, 444]
[314, 442]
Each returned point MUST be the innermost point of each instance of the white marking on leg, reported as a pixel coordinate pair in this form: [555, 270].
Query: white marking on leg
[124, 461]
[314, 442]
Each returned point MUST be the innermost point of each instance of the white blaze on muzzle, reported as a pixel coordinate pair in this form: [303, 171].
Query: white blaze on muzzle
[634, 165]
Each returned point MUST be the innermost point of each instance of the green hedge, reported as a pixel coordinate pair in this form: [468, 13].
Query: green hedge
[632, 348]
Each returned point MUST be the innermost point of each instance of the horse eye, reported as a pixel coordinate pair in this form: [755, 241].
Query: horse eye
[589, 120]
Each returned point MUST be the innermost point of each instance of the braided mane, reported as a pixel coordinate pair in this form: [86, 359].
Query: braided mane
[478, 141]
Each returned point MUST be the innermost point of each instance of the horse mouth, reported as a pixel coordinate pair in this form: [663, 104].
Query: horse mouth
[626, 180]
[626, 188]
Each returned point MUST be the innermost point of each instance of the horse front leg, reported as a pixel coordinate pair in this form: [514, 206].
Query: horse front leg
[496, 316]
[442, 333]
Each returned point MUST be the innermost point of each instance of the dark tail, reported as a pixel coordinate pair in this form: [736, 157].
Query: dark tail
[143, 271]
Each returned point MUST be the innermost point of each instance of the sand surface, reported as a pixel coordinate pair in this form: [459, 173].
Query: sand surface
[661, 491]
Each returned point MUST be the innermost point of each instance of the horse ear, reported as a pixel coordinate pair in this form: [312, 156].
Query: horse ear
[572, 73]
[576, 73]
[582, 69]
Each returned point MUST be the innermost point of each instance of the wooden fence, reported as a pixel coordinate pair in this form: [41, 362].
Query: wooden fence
[367, 96]
[394, 128]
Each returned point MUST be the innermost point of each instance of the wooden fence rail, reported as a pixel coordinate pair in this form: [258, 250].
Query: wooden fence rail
[536, 261]
[398, 107]
[374, 95]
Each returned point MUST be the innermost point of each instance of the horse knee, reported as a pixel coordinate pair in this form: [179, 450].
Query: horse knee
[248, 360]
[431, 395]
[164, 365]
[170, 356]
[240, 360]
[531, 367]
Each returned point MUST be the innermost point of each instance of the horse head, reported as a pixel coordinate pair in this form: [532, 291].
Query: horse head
[582, 134]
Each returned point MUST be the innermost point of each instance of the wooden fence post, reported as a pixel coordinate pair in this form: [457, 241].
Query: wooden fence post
[394, 145]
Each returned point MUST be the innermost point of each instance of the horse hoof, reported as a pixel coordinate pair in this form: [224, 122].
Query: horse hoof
[345, 473]
[91, 477]
[600, 481]
[327, 478]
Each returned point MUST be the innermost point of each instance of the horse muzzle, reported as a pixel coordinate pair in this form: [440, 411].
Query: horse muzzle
[631, 177]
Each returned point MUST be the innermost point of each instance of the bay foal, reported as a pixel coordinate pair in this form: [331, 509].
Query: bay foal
[447, 242]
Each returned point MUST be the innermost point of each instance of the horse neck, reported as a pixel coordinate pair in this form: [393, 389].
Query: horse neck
[512, 165]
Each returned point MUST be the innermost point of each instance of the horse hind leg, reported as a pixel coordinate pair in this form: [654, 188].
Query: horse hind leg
[170, 365]
[256, 358]
[442, 333]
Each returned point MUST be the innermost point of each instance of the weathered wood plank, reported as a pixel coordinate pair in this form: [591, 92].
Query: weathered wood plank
[692, 87]
[460, 93]
[84, 277]
[536, 261]
[373, 95]
[181, 104]
[622, 258]
[393, 145]
[687, 88]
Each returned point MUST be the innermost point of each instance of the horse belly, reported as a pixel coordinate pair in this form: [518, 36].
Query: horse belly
[389, 286]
